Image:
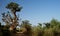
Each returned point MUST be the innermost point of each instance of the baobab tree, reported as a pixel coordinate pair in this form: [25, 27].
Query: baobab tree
[7, 18]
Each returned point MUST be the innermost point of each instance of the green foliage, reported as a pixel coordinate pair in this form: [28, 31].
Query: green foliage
[47, 25]
[37, 31]
[14, 7]
[48, 32]
[25, 24]
[54, 22]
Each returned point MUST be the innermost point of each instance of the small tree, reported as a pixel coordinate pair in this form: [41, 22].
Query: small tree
[25, 24]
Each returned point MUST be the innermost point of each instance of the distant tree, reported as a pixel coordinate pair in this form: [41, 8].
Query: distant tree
[40, 25]
[25, 24]
[47, 25]
[54, 23]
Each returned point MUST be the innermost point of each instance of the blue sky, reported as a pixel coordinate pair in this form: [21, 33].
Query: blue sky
[36, 11]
